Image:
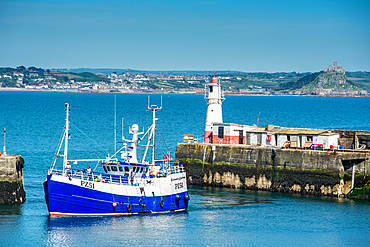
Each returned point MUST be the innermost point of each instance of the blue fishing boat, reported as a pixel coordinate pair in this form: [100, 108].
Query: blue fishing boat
[126, 186]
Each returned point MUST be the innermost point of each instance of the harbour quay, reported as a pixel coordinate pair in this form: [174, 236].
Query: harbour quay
[11, 179]
[324, 172]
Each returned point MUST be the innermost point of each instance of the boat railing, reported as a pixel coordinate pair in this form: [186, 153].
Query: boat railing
[169, 167]
[176, 168]
[172, 168]
[92, 176]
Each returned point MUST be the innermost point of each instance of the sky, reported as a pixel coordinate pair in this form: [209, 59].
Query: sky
[246, 35]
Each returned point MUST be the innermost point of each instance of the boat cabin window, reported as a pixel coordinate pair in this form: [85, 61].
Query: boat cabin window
[126, 169]
[141, 170]
[114, 168]
[105, 169]
[120, 168]
[134, 170]
[108, 168]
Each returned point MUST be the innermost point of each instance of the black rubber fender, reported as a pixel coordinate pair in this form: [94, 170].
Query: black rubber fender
[186, 197]
[177, 197]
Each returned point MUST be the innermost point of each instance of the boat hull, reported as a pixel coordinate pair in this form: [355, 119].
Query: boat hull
[75, 197]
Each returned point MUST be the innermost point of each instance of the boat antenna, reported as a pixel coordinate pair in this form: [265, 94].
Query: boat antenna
[115, 123]
[66, 135]
[154, 109]
[150, 106]
[123, 137]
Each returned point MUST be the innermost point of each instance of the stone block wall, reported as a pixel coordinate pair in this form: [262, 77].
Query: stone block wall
[333, 160]
[11, 180]
[289, 170]
[268, 179]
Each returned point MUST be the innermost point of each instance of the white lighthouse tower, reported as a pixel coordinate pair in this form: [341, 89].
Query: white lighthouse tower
[213, 97]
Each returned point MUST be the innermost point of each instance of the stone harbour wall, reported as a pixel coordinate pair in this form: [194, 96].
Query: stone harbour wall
[326, 173]
[11, 180]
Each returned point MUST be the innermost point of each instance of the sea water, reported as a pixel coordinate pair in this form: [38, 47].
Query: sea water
[216, 216]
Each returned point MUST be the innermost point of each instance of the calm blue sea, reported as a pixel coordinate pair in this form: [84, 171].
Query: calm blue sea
[216, 216]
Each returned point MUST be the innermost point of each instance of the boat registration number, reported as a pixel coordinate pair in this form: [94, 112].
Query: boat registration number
[87, 184]
[179, 186]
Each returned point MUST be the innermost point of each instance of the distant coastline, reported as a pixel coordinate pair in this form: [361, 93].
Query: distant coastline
[331, 82]
[171, 92]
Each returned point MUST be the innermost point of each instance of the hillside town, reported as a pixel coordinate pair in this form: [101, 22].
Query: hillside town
[38, 79]
[332, 81]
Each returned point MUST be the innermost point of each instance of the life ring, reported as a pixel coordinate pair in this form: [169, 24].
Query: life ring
[129, 207]
[161, 203]
[268, 138]
[140, 202]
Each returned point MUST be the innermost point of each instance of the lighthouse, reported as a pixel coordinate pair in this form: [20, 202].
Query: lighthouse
[213, 97]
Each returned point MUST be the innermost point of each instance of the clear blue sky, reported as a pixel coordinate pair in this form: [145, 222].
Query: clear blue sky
[250, 36]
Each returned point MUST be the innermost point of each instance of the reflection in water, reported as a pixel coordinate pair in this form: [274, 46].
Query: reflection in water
[115, 230]
[11, 209]
[10, 221]
[216, 216]
[224, 197]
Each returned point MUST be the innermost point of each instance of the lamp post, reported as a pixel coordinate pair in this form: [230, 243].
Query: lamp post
[4, 149]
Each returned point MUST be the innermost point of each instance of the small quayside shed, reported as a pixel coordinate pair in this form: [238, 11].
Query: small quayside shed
[229, 133]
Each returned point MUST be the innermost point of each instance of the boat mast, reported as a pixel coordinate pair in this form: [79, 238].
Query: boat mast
[115, 124]
[154, 108]
[66, 134]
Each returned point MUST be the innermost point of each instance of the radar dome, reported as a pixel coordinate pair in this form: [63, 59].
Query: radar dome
[135, 127]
